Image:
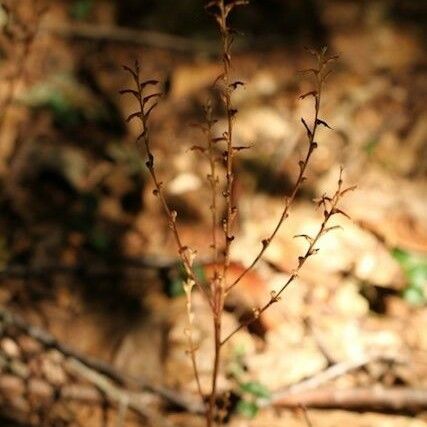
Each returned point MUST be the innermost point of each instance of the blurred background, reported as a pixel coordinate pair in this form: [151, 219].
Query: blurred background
[86, 254]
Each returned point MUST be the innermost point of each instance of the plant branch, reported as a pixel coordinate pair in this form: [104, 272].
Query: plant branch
[147, 103]
[213, 183]
[320, 75]
[330, 209]
[221, 11]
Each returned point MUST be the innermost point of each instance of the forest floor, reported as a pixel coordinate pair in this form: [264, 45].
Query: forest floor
[89, 271]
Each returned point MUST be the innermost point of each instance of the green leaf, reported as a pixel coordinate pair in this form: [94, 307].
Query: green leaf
[200, 273]
[100, 240]
[174, 285]
[175, 288]
[414, 296]
[409, 260]
[400, 255]
[370, 146]
[239, 351]
[415, 268]
[69, 100]
[256, 389]
[417, 276]
[81, 9]
[247, 409]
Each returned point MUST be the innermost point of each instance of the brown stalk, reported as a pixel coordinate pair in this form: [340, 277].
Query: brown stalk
[221, 11]
[305, 416]
[213, 183]
[330, 209]
[218, 288]
[320, 76]
[147, 103]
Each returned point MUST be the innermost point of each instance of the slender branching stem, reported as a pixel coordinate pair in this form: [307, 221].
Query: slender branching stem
[146, 104]
[312, 145]
[213, 183]
[192, 350]
[221, 12]
[330, 209]
[215, 294]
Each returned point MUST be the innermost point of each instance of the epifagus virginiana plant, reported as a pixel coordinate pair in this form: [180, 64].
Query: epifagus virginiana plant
[219, 286]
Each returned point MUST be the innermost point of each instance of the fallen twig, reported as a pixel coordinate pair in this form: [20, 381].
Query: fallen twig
[325, 376]
[122, 398]
[125, 265]
[99, 366]
[98, 392]
[305, 416]
[394, 398]
[114, 33]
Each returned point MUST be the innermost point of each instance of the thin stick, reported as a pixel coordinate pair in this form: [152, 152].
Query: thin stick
[122, 265]
[335, 371]
[305, 415]
[98, 365]
[394, 398]
[99, 32]
[113, 392]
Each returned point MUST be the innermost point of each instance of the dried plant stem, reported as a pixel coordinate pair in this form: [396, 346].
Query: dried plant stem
[215, 280]
[147, 103]
[218, 287]
[312, 145]
[192, 345]
[329, 211]
[213, 183]
[222, 10]
[306, 417]
[215, 372]
[226, 95]
[146, 106]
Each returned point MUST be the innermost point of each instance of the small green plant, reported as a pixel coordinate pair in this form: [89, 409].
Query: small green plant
[217, 287]
[70, 103]
[81, 9]
[178, 276]
[415, 268]
[247, 408]
[250, 392]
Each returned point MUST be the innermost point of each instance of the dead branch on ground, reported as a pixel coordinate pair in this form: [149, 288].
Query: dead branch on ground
[391, 399]
[96, 365]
